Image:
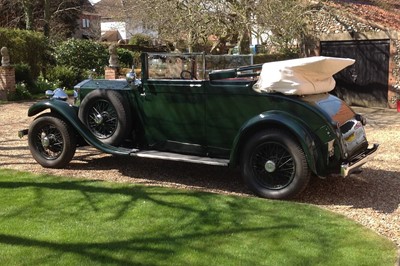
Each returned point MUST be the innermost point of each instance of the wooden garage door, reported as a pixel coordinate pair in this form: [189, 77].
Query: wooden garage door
[366, 82]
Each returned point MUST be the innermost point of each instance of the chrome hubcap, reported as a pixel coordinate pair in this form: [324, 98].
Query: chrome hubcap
[98, 119]
[270, 166]
[45, 141]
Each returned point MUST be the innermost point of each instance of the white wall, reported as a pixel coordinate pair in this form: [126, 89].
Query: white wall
[119, 26]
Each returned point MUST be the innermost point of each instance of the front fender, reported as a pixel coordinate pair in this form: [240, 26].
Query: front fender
[69, 113]
[278, 119]
[66, 110]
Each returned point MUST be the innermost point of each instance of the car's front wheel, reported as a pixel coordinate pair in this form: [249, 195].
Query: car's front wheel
[52, 141]
[274, 166]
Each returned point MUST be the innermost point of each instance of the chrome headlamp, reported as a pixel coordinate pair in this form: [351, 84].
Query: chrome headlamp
[58, 94]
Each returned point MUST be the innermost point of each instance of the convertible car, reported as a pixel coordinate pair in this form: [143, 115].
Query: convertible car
[276, 121]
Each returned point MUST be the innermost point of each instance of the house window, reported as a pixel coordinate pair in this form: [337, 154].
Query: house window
[85, 23]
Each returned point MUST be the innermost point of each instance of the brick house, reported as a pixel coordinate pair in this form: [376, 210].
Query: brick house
[89, 23]
[368, 33]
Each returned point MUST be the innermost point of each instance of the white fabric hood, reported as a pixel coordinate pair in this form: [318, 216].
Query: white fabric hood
[311, 75]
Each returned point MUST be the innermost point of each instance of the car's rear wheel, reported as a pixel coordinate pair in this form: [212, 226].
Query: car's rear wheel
[107, 115]
[274, 166]
[52, 141]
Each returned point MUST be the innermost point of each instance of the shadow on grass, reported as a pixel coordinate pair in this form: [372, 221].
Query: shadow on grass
[94, 222]
[87, 189]
[103, 252]
[198, 220]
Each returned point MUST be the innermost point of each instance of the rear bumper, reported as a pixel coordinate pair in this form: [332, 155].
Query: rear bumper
[347, 168]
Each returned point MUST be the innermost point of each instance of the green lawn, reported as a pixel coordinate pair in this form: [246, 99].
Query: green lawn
[47, 220]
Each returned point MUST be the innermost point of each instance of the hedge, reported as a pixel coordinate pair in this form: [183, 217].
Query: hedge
[82, 55]
[26, 47]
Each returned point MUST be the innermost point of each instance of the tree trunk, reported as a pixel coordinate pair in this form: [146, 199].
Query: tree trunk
[190, 42]
[244, 42]
[28, 13]
[46, 26]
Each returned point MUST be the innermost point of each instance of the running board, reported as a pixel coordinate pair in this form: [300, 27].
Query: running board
[180, 157]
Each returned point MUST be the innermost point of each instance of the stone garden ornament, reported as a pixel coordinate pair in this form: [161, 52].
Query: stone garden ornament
[113, 61]
[5, 57]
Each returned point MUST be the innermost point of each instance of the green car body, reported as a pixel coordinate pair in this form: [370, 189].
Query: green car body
[211, 117]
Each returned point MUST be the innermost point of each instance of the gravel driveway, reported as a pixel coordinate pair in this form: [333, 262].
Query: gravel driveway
[371, 198]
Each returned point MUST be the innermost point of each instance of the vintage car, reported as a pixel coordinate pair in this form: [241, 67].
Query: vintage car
[275, 121]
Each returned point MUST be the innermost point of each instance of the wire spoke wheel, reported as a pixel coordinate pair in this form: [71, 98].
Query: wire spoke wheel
[49, 142]
[102, 119]
[52, 141]
[107, 114]
[273, 166]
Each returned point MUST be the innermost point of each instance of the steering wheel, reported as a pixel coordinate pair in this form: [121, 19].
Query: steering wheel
[186, 74]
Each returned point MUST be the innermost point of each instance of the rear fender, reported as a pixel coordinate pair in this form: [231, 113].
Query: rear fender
[69, 113]
[275, 119]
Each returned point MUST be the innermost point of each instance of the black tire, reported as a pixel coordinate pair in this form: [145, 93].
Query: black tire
[107, 115]
[274, 165]
[52, 141]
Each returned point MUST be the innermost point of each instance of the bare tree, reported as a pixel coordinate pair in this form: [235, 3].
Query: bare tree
[11, 14]
[231, 21]
[175, 20]
[283, 22]
[58, 15]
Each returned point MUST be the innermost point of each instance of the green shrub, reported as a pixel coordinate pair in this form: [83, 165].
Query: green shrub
[21, 93]
[125, 57]
[82, 55]
[65, 76]
[23, 74]
[137, 61]
[141, 39]
[27, 47]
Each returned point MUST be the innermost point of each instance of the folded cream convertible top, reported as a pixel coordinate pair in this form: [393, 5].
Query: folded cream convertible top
[311, 75]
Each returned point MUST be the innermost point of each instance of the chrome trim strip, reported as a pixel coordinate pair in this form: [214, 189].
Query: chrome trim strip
[180, 157]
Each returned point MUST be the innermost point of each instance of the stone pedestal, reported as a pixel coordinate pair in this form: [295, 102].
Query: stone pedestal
[7, 81]
[111, 73]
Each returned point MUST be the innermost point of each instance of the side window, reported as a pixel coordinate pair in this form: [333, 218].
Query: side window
[172, 66]
[156, 68]
[175, 66]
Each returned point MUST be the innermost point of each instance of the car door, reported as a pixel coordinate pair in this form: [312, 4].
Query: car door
[173, 106]
[230, 103]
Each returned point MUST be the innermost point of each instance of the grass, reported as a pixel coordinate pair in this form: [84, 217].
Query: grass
[51, 220]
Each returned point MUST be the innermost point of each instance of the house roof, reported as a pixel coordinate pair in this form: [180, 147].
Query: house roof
[385, 13]
[111, 36]
[87, 7]
[110, 9]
